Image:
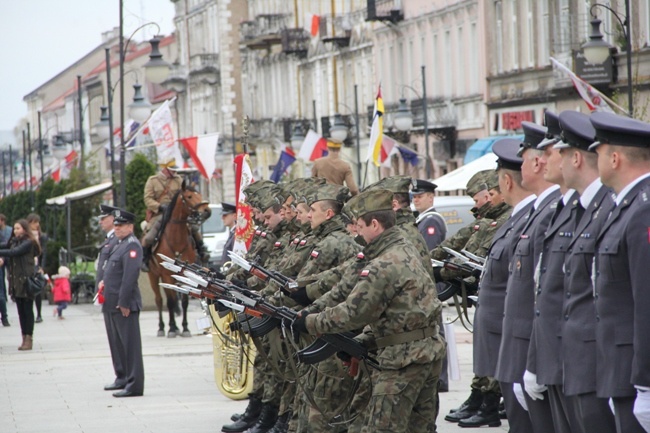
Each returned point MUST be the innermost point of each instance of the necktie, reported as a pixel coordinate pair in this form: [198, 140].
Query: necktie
[580, 211]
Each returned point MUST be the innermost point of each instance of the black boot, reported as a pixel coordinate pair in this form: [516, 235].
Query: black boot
[282, 424]
[266, 421]
[146, 256]
[488, 413]
[468, 408]
[203, 253]
[247, 419]
[5, 321]
[502, 410]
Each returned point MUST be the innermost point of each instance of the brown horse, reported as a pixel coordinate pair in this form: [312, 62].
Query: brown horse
[175, 240]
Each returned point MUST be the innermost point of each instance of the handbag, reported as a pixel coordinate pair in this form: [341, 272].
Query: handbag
[34, 284]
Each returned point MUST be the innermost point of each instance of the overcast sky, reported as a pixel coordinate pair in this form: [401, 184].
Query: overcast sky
[40, 38]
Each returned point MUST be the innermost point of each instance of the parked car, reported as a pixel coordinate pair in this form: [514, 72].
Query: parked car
[456, 209]
[215, 235]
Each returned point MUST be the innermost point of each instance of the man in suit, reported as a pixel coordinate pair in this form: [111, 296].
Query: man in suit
[544, 367]
[123, 302]
[430, 223]
[519, 299]
[577, 320]
[621, 290]
[229, 218]
[488, 320]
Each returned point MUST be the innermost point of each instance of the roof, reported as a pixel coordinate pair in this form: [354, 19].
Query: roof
[79, 195]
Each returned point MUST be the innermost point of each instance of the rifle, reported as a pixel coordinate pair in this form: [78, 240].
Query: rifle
[465, 260]
[199, 283]
[263, 274]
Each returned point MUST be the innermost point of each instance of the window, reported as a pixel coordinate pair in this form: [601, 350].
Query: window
[474, 73]
[434, 73]
[514, 36]
[498, 11]
[530, 31]
[447, 64]
[544, 39]
[460, 63]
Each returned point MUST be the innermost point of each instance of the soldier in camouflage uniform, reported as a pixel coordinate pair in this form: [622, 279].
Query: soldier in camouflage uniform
[396, 298]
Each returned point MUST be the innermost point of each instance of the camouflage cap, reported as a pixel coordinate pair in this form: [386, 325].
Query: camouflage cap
[267, 197]
[255, 197]
[395, 184]
[492, 180]
[301, 185]
[329, 192]
[477, 183]
[255, 186]
[372, 201]
[349, 208]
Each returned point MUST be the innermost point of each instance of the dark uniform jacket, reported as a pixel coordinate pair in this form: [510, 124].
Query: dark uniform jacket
[104, 250]
[520, 293]
[488, 320]
[432, 226]
[121, 276]
[622, 296]
[544, 350]
[227, 247]
[578, 311]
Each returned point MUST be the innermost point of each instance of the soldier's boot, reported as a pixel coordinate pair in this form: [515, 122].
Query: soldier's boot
[468, 408]
[201, 249]
[146, 256]
[282, 424]
[488, 413]
[247, 419]
[27, 343]
[502, 410]
[266, 421]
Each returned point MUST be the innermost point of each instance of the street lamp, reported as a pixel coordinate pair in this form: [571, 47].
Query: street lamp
[596, 50]
[140, 108]
[297, 138]
[403, 119]
[156, 69]
[102, 128]
[339, 130]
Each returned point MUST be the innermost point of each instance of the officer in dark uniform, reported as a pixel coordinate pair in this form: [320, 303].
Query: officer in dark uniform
[488, 320]
[430, 223]
[519, 300]
[123, 302]
[621, 292]
[578, 316]
[106, 222]
[229, 217]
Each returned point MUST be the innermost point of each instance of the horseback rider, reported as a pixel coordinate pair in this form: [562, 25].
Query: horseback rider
[159, 191]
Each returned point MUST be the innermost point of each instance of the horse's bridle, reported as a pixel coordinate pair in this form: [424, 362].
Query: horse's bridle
[194, 216]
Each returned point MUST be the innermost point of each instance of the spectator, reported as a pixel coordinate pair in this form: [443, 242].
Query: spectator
[61, 291]
[5, 234]
[34, 222]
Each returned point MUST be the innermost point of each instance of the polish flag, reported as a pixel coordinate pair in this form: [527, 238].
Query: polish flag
[313, 147]
[315, 25]
[389, 147]
[202, 150]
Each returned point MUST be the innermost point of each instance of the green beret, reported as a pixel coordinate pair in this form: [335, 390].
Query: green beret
[396, 184]
[372, 201]
[477, 183]
[329, 192]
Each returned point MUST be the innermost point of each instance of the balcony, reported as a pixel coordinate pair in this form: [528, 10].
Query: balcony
[264, 31]
[384, 10]
[295, 41]
[205, 68]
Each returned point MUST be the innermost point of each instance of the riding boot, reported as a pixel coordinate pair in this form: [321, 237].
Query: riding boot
[468, 408]
[488, 413]
[247, 419]
[266, 420]
[146, 256]
[27, 344]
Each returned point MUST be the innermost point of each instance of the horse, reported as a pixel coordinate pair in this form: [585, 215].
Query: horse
[175, 240]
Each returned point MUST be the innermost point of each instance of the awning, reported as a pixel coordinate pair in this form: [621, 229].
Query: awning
[79, 195]
[457, 179]
[483, 146]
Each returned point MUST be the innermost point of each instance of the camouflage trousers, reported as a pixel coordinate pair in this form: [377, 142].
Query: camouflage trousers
[486, 384]
[404, 400]
[265, 380]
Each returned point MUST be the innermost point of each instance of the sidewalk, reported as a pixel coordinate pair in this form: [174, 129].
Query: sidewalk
[58, 386]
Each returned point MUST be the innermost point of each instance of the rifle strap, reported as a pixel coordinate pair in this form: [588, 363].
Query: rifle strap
[267, 357]
[406, 337]
[461, 308]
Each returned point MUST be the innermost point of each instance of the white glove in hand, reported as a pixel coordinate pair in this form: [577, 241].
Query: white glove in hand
[519, 393]
[642, 407]
[534, 390]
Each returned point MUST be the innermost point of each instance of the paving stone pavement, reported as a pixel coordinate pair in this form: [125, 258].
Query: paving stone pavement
[58, 386]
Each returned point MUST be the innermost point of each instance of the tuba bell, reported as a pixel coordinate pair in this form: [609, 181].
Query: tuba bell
[233, 357]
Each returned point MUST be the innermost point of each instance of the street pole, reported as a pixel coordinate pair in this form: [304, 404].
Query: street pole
[25, 159]
[122, 145]
[29, 155]
[4, 175]
[313, 104]
[11, 169]
[356, 122]
[234, 144]
[628, 52]
[110, 123]
[40, 147]
[81, 124]
[426, 122]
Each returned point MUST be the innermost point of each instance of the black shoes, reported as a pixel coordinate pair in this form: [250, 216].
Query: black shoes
[468, 408]
[5, 322]
[113, 387]
[125, 393]
[488, 413]
[247, 419]
[39, 319]
[266, 421]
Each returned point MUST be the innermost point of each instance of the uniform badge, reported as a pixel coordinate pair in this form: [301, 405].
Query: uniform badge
[133, 254]
[493, 224]
[296, 240]
[277, 244]
[364, 273]
[476, 227]
[518, 264]
[258, 232]
[360, 256]
[303, 242]
[431, 230]
[649, 235]
[314, 254]
[524, 237]
[263, 234]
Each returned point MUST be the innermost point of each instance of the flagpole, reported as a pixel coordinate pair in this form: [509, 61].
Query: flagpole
[356, 122]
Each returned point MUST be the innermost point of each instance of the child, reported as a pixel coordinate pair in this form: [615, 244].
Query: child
[61, 291]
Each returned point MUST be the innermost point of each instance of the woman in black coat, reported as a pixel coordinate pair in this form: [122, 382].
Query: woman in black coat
[21, 250]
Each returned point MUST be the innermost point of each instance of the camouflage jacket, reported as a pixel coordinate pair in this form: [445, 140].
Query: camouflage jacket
[480, 241]
[261, 247]
[334, 285]
[394, 294]
[405, 221]
[275, 253]
[458, 241]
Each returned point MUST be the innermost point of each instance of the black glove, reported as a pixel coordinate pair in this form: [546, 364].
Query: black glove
[239, 283]
[300, 296]
[476, 273]
[299, 324]
[344, 356]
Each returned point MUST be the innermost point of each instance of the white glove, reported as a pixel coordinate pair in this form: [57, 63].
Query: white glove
[519, 393]
[642, 407]
[533, 389]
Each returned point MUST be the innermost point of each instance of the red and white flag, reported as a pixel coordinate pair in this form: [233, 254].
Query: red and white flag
[161, 129]
[389, 147]
[595, 100]
[202, 150]
[244, 229]
[313, 147]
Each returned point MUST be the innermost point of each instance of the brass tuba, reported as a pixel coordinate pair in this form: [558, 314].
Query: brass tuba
[233, 357]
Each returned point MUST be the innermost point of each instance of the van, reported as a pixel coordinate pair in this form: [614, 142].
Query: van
[457, 211]
[215, 235]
